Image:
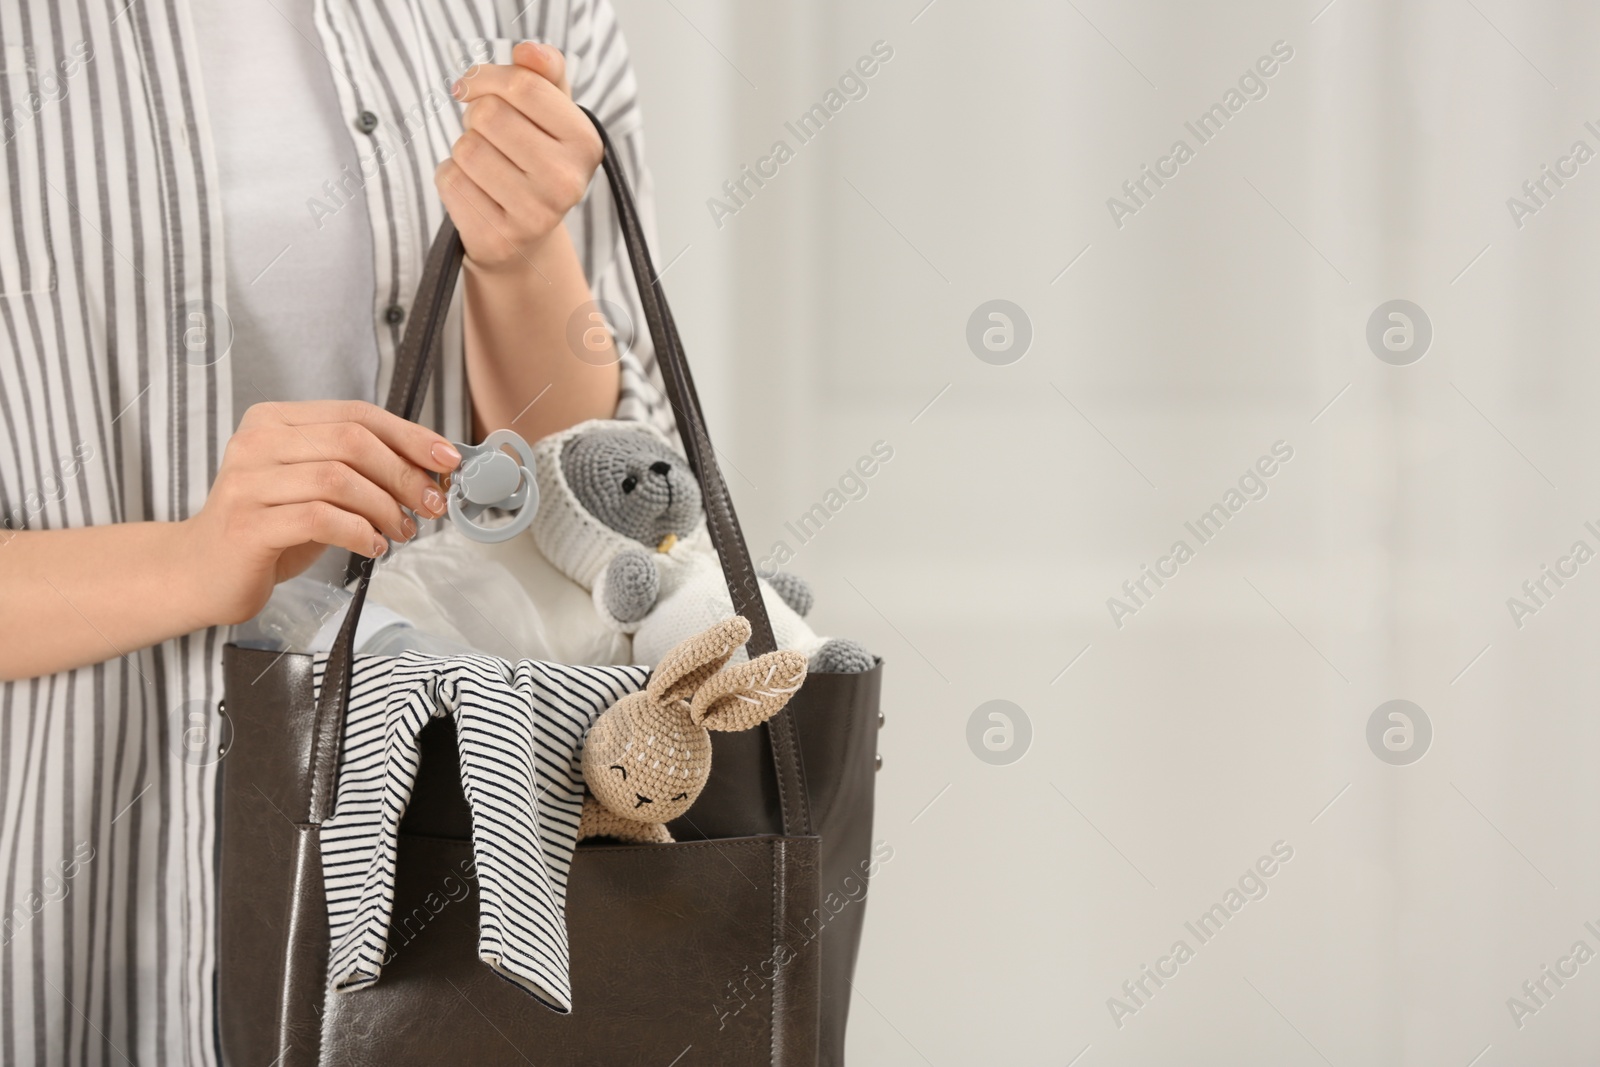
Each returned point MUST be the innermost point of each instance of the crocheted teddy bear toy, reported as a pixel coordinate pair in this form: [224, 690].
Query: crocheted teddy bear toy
[648, 756]
[620, 514]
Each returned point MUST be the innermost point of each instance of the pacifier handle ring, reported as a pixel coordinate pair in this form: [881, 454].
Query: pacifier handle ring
[528, 490]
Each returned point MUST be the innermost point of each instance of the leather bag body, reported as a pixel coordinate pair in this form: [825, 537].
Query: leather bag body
[715, 950]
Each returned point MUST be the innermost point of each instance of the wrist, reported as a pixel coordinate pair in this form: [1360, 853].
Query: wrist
[518, 263]
[183, 567]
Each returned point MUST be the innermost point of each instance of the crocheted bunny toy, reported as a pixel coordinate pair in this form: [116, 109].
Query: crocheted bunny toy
[620, 514]
[648, 756]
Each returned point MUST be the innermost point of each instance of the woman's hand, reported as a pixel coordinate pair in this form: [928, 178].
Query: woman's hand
[295, 478]
[525, 159]
[299, 477]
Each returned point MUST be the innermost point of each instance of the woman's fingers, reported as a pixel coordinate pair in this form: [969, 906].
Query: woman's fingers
[336, 483]
[369, 456]
[483, 223]
[482, 160]
[300, 474]
[532, 177]
[353, 456]
[544, 60]
[541, 102]
[523, 143]
[526, 158]
[420, 445]
[319, 522]
[504, 182]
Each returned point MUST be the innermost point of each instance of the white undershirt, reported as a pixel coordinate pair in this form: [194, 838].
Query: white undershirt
[300, 298]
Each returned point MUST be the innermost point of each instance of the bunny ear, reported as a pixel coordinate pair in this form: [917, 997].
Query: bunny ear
[748, 694]
[695, 659]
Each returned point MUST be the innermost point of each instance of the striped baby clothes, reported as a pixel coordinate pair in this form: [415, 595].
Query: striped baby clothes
[520, 729]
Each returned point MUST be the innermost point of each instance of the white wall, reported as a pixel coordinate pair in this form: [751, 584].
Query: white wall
[1221, 318]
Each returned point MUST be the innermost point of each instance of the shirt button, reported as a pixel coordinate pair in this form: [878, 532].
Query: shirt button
[366, 122]
[394, 315]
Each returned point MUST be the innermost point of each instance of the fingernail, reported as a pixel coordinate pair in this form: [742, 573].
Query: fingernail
[443, 453]
[457, 87]
[379, 547]
[408, 527]
[433, 501]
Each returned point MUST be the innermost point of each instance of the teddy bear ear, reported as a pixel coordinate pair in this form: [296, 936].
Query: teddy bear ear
[748, 694]
[693, 660]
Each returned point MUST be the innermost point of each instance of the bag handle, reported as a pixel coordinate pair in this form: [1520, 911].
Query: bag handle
[418, 353]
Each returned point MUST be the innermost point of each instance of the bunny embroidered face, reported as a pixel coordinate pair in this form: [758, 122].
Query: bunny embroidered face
[646, 763]
[634, 483]
[648, 757]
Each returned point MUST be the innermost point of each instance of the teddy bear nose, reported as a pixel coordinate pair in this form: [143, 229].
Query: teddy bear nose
[642, 800]
[660, 466]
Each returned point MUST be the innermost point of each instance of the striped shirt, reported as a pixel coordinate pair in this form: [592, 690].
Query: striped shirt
[114, 407]
[520, 729]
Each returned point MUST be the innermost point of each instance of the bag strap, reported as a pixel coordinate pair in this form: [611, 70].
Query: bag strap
[738, 571]
[414, 360]
[419, 351]
[421, 343]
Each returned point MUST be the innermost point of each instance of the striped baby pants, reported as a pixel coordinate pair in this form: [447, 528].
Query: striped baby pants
[520, 728]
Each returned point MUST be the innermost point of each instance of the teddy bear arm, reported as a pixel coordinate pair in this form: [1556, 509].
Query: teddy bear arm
[793, 590]
[632, 585]
[840, 655]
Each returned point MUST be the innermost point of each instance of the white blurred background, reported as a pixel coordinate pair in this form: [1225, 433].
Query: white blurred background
[1228, 313]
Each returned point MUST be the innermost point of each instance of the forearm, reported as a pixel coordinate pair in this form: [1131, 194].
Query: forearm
[521, 366]
[74, 597]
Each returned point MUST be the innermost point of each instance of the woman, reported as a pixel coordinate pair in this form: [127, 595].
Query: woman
[215, 214]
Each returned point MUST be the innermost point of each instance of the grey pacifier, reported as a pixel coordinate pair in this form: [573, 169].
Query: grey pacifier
[490, 478]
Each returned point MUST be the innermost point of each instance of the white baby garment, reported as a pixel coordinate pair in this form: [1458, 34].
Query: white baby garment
[520, 728]
[693, 594]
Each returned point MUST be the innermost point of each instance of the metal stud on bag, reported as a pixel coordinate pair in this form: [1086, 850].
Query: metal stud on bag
[490, 478]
